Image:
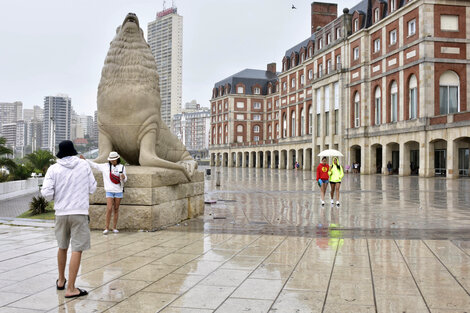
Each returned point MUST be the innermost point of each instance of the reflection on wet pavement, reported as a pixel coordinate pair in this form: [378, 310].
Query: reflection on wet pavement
[249, 262]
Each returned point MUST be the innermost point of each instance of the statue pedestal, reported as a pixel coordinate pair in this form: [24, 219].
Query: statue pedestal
[153, 198]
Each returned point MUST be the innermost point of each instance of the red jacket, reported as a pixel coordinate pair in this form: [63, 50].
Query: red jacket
[322, 171]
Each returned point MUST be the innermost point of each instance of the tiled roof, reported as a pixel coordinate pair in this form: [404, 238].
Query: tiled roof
[299, 46]
[249, 77]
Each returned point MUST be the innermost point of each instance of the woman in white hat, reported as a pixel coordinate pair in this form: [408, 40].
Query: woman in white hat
[114, 177]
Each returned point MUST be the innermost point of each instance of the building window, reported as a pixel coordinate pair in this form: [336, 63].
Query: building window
[239, 139]
[376, 15]
[302, 122]
[413, 104]
[450, 23]
[240, 89]
[302, 79]
[240, 105]
[328, 66]
[394, 101]
[269, 105]
[356, 25]
[338, 33]
[277, 131]
[356, 53]
[270, 90]
[240, 116]
[293, 124]
[257, 117]
[328, 39]
[392, 5]
[213, 108]
[226, 105]
[376, 45]
[220, 106]
[302, 57]
[292, 63]
[411, 27]
[284, 86]
[292, 83]
[338, 62]
[240, 129]
[318, 125]
[327, 123]
[277, 103]
[256, 138]
[336, 122]
[393, 37]
[449, 83]
[257, 91]
[284, 126]
[320, 70]
[257, 105]
[320, 43]
[256, 129]
[356, 110]
[310, 120]
[310, 52]
[378, 105]
[310, 74]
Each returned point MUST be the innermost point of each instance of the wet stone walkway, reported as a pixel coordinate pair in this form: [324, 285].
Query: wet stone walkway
[269, 247]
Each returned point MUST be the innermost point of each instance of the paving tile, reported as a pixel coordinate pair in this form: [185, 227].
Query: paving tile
[267, 289]
[273, 271]
[197, 297]
[117, 290]
[226, 277]
[150, 272]
[78, 305]
[174, 283]
[44, 300]
[184, 310]
[234, 305]
[299, 302]
[143, 302]
[391, 303]
[197, 267]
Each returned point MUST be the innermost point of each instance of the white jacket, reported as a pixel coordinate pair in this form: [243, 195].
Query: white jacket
[109, 186]
[69, 183]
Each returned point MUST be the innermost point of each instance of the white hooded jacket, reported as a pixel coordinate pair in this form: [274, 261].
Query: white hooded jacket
[69, 183]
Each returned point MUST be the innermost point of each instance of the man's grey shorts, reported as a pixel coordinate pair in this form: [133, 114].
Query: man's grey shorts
[73, 227]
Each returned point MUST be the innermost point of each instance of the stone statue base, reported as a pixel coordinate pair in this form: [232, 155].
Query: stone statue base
[153, 198]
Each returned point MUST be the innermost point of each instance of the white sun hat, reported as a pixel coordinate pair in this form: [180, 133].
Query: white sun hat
[113, 155]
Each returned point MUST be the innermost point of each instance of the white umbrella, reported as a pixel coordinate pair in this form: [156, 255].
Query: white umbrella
[330, 153]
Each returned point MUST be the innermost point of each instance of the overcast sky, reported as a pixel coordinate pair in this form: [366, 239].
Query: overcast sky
[49, 47]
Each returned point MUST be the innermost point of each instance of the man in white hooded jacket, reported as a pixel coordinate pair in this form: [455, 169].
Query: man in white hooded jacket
[69, 183]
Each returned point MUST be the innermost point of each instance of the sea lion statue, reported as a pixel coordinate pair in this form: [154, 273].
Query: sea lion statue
[129, 104]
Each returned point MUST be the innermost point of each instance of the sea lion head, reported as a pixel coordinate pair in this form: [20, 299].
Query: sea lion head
[129, 63]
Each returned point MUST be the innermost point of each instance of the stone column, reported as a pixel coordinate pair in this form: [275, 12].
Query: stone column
[386, 156]
[258, 159]
[244, 161]
[282, 158]
[422, 158]
[273, 160]
[401, 158]
[251, 159]
[212, 161]
[289, 159]
[307, 166]
[230, 159]
[429, 170]
[452, 162]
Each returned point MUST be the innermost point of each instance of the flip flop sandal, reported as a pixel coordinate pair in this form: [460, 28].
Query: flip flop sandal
[57, 285]
[82, 293]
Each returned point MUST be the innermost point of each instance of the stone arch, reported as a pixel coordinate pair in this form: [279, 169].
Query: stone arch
[376, 158]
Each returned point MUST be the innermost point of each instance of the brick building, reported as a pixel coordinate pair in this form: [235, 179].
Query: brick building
[385, 81]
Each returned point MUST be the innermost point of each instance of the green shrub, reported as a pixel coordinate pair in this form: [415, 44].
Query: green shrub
[38, 205]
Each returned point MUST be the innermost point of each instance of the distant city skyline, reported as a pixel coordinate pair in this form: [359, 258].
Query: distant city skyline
[64, 55]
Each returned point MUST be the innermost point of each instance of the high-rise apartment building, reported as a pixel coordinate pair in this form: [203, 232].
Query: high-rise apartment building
[57, 121]
[10, 112]
[165, 37]
[192, 128]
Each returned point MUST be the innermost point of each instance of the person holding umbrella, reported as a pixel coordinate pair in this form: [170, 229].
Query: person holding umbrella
[322, 178]
[335, 174]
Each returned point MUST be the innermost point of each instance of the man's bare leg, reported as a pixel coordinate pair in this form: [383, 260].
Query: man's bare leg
[73, 271]
[61, 263]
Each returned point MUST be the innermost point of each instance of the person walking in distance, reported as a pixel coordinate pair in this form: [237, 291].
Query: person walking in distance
[322, 178]
[114, 177]
[336, 174]
[389, 167]
[69, 183]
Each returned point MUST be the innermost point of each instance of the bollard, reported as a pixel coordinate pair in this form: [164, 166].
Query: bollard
[217, 179]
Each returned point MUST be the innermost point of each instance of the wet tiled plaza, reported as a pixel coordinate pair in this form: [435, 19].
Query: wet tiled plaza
[396, 244]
